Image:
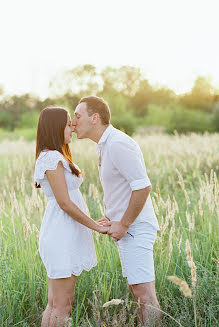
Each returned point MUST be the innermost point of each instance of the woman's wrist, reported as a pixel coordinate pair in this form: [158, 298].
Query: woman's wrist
[98, 228]
[95, 226]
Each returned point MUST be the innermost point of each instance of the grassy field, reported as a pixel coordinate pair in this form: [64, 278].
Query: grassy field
[183, 172]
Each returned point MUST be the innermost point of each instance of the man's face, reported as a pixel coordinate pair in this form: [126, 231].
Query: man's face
[82, 122]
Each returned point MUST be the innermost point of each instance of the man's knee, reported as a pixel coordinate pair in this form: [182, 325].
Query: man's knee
[145, 293]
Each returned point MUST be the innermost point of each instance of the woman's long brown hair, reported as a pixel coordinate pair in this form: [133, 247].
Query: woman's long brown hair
[50, 134]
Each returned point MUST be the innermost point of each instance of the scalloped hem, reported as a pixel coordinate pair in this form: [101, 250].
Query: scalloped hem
[72, 273]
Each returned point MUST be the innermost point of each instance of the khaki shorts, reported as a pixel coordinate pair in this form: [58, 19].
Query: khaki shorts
[136, 253]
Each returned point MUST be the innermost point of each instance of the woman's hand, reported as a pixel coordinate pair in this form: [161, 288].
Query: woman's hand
[101, 225]
[102, 221]
[102, 229]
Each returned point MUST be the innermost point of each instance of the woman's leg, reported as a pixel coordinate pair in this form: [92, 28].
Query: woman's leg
[60, 300]
[48, 310]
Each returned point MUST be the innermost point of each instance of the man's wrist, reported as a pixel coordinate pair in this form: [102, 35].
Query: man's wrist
[124, 224]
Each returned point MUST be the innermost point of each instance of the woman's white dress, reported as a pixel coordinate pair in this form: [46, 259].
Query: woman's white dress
[66, 246]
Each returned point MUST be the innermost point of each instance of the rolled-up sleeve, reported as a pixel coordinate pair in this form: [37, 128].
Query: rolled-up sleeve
[128, 159]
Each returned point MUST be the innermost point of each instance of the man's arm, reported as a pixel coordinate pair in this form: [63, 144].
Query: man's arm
[137, 201]
[127, 158]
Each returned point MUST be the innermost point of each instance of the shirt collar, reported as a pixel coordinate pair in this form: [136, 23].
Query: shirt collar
[105, 134]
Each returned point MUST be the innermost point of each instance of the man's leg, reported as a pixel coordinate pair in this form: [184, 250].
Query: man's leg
[149, 311]
[136, 256]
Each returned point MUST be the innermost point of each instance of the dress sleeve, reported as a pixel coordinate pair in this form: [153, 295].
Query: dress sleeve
[48, 161]
[128, 159]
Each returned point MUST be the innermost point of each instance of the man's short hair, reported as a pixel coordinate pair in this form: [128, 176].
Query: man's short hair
[97, 105]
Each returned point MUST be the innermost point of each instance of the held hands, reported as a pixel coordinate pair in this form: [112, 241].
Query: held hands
[115, 228]
[102, 221]
[103, 229]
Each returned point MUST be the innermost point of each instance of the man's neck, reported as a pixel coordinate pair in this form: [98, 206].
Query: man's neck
[98, 133]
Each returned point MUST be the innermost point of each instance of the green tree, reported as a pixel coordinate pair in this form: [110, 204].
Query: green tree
[142, 98]
[1, 90]
[215, 118]
[13, 107]
[125, 79]
[201, 95]
[81, 80]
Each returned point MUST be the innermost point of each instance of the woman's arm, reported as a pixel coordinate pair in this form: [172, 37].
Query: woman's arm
[57, 182]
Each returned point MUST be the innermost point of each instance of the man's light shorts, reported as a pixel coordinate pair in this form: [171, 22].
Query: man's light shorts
[136, 253]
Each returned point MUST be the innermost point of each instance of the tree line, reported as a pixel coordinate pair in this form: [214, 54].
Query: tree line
[132, 99]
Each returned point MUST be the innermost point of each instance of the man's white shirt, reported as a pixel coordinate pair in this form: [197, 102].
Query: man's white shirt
[122, 170]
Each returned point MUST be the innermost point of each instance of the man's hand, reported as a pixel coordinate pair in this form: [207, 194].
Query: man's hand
[116, 230]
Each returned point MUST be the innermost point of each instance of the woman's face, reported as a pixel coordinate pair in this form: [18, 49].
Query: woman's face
[68, 131]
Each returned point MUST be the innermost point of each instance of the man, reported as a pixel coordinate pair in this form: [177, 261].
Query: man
[127, 203]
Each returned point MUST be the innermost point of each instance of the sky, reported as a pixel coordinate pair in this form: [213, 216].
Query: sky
[172, 41]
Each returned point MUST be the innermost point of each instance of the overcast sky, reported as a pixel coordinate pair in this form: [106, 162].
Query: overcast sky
[172, 41]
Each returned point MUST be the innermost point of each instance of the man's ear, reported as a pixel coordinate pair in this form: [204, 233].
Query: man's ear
[95, 118]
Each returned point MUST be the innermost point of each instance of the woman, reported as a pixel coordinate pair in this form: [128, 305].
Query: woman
[66, 243]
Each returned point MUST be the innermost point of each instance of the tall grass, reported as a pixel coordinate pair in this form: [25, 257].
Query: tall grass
[185, 195]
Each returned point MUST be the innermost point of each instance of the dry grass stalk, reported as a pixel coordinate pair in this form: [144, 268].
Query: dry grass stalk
[175, 204]
[191, 263]
[164, 227]
[180, 181]
[155, 206]
[68, 322]
[180, 221]
[191, 221]
[184, 287]
[216, 261]
[187, 197]
[170, 243]
[179, 245]
[182, 185]
[112, 302]
[194, 275]
[158, 194]
[189, 253]
[200, 207]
